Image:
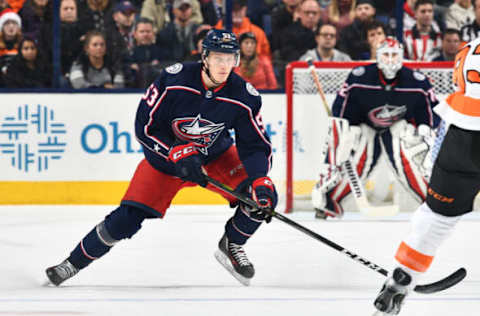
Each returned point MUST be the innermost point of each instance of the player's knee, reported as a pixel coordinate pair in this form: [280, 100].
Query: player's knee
[122, 223]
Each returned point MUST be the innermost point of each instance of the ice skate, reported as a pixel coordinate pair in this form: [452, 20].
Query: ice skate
[59, 273]
[390, 299]
[234, 259]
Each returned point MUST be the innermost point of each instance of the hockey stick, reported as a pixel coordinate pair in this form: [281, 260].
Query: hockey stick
[347, 169]
[440, 285]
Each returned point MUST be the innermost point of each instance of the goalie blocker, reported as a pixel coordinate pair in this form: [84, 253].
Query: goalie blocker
[408, 153]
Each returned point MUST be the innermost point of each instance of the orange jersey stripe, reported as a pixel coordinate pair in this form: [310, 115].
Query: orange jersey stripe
[413, 259]
[463, 104]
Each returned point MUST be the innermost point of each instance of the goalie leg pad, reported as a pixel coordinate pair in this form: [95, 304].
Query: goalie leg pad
[332, 188]
[408, 154]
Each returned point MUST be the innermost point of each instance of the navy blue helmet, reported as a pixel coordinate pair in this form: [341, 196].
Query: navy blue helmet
[220, 41]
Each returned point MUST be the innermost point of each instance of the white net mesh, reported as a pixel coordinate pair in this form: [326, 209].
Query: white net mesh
[309, 118]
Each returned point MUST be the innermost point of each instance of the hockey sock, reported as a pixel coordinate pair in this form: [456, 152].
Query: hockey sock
[415, 254]
[122, 223]
[241, 226]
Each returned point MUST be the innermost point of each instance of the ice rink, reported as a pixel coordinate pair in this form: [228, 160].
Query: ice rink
[168, 268]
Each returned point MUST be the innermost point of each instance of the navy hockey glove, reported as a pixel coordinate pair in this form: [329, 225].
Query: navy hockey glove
[265, 195]
[188, 165]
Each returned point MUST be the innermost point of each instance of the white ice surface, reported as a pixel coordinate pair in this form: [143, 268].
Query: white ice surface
[168, 268]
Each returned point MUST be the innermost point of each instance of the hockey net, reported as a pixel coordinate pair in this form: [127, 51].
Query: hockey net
[306, 121]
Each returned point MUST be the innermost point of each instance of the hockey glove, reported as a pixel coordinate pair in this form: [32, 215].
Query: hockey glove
[188, 165]
[265, 195]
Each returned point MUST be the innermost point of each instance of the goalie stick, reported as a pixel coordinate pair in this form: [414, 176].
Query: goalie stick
[348, 170]
[440, 285]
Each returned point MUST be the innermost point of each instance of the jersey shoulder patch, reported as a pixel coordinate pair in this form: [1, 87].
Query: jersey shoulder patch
[358, 71]
[419, 76]
[251, 89]
[174, 69]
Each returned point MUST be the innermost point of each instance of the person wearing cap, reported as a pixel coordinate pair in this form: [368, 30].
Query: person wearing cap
[124, 17]
[176, 39]
[257, 70]
[242, 24]
[159, 12]
[352, 38]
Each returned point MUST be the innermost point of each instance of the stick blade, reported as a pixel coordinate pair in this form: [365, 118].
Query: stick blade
[442, 284]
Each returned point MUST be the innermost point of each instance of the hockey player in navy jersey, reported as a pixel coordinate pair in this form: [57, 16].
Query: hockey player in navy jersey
[389, 110]
[183, 124]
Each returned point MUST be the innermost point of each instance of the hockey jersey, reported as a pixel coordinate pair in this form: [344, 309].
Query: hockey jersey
[462, 108]
[178, 107]
[366, 98]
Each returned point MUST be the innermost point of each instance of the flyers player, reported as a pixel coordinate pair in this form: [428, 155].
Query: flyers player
[454, 183]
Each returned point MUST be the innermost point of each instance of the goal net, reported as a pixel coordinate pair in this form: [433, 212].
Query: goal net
[307, 120]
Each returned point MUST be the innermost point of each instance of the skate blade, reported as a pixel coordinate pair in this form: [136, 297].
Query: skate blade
[225, 262]
[379, 313]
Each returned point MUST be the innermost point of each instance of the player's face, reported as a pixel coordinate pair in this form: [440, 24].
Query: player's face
[220, 65]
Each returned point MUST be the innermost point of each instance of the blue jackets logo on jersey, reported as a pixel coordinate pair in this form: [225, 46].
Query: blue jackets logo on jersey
[385, 115]
[200, 131]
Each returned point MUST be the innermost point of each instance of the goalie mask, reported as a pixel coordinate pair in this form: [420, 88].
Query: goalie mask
[390, 57]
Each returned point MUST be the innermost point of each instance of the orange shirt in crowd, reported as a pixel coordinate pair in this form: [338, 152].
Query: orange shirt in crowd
[16, 5]
[263, 46]
[263, 78]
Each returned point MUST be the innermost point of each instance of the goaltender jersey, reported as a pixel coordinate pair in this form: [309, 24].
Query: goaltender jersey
[367, 97]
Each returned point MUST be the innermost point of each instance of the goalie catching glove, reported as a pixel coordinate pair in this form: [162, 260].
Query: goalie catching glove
[188, 165]
[264, 194]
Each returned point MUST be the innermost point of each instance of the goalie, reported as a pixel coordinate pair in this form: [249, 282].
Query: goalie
[382, 109]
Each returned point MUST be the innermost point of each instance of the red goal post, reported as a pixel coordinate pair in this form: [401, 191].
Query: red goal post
[305, 117]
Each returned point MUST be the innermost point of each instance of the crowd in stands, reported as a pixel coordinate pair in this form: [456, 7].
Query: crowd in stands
[126, 43]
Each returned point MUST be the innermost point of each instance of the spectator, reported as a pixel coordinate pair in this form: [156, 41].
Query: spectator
[70, 33]
[353, 39]
[376, 32]
[253, 68]
[142, 63]
[385, 12]
[95, 14]
[242, 24]
[326, 38]
[450, 45]
[94, 68]
[176, 39]
[211, 11]
[10, 37]
[123, 27]
[459, 14]
[409, 19]
[340, 13]
[15, 5]
[196, 54]
[424, 41]
[28, 69]
[472, 31]
[282, 17]
[159, 12]
[35, 14]
[4, 6]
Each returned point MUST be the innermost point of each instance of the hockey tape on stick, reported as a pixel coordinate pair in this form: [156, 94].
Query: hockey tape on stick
[440, 285]
[353, 179]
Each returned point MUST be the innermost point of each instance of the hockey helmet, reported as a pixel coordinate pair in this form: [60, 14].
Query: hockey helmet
[390, 57]
[221, 41]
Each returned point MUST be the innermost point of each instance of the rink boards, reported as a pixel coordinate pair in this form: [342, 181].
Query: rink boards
[80, 148]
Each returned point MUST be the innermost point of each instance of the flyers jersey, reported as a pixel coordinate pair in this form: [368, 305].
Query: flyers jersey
[462, 108]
